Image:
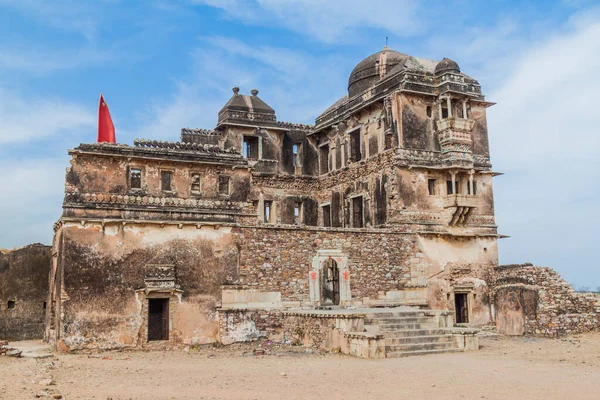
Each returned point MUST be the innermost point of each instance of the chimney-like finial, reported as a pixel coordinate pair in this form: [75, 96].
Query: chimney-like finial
[254, 92]
[236, 90]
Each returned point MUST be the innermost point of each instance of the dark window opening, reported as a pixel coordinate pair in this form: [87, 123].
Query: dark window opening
[431, 186]
[298, 213]
[326, 215]
[444, 112]
[11, 304]
[135, 178]
[449, 188]
[224, 185]
[357, 212]
[428, 111]
[195, 183]
[158, 319]
[44, 305]
[268, 207]
[165, 180]
[355, 146]
[324, 159]
[250, 149]
[462, 308]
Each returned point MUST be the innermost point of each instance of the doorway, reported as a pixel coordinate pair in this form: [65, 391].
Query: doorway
[158, 319]
[462, 308]
[330, 283]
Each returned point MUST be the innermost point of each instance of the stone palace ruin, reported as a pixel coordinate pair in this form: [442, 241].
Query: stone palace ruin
[371, 232]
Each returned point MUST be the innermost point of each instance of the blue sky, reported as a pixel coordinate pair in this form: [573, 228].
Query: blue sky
[164, 65]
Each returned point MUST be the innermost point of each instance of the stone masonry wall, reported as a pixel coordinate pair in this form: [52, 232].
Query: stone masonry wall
[279, 259]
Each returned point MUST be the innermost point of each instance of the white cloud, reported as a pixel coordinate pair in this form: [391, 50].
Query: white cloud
[331, 21]
[24, 119]
[297, 85]
[68, 15]
[30, 199]
[543, 133]
[41, 61]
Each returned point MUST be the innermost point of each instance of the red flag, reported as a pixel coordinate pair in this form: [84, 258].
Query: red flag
[106, 129]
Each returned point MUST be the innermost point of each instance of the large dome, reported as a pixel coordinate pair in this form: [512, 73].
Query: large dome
[372, 68]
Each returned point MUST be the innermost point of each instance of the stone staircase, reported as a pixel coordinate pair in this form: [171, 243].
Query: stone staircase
[415, 332]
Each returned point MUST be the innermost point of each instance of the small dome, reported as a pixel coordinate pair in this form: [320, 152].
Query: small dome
[370, 70]
[447, 65]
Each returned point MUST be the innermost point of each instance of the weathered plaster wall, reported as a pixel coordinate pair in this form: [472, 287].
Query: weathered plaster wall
[24, 292]
[459, 265]
[106, 174]
[104, 266]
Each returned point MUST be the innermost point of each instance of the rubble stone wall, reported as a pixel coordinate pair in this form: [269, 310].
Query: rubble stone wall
[24, 292]
[542, 301]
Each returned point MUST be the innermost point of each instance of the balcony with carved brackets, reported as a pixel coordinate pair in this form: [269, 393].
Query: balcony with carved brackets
[464, 206]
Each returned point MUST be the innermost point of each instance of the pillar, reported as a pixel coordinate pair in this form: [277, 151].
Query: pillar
[449, 105]
[471, 182]
[453, 174]
[464, 104]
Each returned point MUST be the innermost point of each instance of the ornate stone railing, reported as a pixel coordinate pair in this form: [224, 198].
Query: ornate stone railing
[145, 200]
[198, 131]
[292, 125]
[207, 148]
[460, 124]
[244, 115]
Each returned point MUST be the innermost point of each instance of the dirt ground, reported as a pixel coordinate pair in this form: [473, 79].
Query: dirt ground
[516, 368]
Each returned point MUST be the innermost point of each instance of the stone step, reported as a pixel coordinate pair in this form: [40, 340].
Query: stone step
[419, 346]
[412, 332]
[397, 314]
[397, 354]
[405, 326]
[419, 339]
[397, 320]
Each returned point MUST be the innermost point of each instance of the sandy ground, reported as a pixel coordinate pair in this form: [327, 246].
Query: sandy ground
[515, 368]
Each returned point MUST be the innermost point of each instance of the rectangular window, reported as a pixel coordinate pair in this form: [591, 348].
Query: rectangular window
[195, 181]
[165, 180]
[11, 304]
[355, 154]
[324, 159]
[449, 188]
[326, 215]
[357, 212]
[297, 212]
[250, 148]
[224, 185]
[268, 207]
[431, 186]
[135, 178]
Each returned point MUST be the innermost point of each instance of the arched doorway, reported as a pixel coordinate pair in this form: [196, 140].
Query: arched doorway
[330, 283]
